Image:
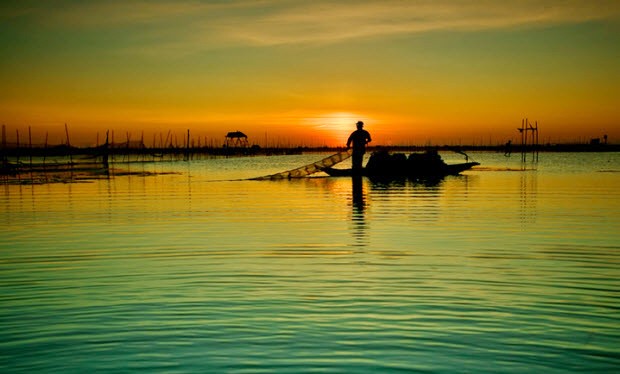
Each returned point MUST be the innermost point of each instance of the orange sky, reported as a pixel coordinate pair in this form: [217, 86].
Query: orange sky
[302, 73]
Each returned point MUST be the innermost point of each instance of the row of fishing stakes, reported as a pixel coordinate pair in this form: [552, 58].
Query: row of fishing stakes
[18, 144]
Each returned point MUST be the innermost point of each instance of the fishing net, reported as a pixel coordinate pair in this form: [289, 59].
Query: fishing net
[311, 168]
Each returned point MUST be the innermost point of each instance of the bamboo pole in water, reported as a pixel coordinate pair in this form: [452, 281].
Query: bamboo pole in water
[187, 147]
[127, 147]
[69, 144]
[523, 138]
[30, 145]
[535, 140]
[3, 144]
[142, 146]
[166, 142]
[17, 146]
[106, 165]
[45, 148]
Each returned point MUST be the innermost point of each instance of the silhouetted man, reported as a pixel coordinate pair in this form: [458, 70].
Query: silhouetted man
[358, 138]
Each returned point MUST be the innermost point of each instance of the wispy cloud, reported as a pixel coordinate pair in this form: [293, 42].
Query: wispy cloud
[207, 24]
[332, 22]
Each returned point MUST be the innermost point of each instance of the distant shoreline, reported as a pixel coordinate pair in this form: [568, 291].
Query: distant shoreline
[65, 164]
[111, 150]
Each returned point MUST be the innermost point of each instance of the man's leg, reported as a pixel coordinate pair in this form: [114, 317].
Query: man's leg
[357, 161]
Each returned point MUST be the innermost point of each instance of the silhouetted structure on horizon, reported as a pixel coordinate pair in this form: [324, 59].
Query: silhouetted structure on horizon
[529, 138]
[236, 139]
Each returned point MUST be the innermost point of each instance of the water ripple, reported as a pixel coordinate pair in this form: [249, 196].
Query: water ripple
[492, 271]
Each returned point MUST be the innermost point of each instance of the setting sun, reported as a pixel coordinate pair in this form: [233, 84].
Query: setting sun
[336, 127]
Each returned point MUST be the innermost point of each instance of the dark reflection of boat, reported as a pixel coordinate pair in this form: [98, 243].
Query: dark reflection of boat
[428, 165]
[413, 201]
[400, 182]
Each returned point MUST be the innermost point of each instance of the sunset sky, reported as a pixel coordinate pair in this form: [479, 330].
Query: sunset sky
[303, 72]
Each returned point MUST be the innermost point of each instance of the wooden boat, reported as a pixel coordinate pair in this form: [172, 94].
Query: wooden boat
[416, 165]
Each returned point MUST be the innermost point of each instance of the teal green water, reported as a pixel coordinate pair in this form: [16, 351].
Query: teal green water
[497, 270]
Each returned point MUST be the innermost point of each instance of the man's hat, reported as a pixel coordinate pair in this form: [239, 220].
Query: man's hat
[360, 123]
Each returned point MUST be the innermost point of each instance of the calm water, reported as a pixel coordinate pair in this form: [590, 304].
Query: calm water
[498, 270]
